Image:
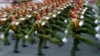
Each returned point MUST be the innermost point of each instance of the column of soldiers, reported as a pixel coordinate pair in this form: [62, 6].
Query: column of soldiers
[45, 20]
[82, 20]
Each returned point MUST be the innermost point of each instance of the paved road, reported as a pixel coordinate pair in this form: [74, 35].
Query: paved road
[54, 50]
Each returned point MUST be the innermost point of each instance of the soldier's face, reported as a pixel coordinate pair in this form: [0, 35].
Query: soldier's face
[38, 16]
[43, 13]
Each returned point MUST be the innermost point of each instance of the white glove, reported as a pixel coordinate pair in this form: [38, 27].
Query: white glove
[64, 40]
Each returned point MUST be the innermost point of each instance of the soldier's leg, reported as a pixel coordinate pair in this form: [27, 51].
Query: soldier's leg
[32, 40]
[6, 30]
[40, 46]
[45, 44]
[87, 41]
[75, 45]
[16, 45]
[13, 37]
[24, 42]
[6, 41]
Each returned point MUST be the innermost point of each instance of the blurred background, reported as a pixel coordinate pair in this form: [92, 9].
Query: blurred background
[85, 50]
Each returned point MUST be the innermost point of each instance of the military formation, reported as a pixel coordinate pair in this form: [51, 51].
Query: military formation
[29, 21]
